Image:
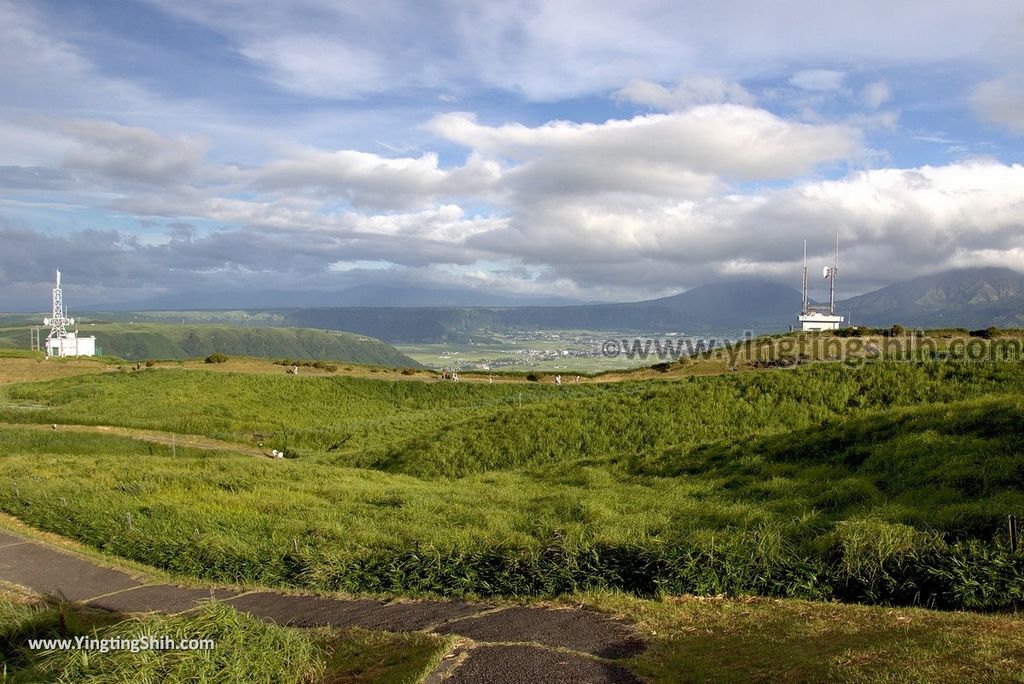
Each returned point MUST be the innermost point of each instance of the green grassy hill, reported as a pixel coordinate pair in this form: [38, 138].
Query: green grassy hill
[886, 482]
[140, 341]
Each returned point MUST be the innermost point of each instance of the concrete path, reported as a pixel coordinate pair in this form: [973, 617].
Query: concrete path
[498, 644]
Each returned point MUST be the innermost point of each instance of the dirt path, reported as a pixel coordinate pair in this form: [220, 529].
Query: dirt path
[508, 644]
[155, 436]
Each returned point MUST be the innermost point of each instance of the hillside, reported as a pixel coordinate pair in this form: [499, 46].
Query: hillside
[138, 341]
[968, 298]
[729, 307]
[884, 483]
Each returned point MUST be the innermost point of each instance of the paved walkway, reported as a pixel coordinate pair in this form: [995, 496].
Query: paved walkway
[500, 644]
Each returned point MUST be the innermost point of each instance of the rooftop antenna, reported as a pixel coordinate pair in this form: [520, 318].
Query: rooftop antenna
[803, 310]
[58, 322]
[830, 273]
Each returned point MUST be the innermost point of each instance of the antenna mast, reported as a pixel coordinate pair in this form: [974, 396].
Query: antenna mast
[58, 322]
[832, 281]
[803, 310]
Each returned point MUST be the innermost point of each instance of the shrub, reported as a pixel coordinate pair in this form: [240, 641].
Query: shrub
[986, 334]
[216, 357]
[150, 363]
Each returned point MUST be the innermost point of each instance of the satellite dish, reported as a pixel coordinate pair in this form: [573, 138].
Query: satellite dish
[824, 272]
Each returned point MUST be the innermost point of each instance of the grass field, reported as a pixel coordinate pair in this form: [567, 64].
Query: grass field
[883, 483]
[780, 492]
[768, 640]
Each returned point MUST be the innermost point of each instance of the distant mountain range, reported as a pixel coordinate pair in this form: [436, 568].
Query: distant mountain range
[967, 298]
[358, 295]
[970, 298]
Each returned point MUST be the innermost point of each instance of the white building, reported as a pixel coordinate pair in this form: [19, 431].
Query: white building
[71, 345]
[812, 321]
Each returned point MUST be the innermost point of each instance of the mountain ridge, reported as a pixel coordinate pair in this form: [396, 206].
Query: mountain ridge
[970, 297]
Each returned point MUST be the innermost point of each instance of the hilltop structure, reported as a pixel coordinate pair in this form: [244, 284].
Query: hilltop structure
[812, 320]
[61, 341]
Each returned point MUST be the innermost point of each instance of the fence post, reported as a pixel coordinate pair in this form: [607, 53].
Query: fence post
[1012, 524]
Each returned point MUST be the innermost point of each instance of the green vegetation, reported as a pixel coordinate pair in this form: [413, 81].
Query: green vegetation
[884, 483]
[765, 640]
[247, 650]
[141, 341]
[320, 364]
[21, 354]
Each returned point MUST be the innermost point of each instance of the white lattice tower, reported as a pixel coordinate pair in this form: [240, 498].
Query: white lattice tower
[58, 322]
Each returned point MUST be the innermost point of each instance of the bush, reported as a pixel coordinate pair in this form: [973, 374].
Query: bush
[321, 365]
[897, 330]
[216, 357]
[408, 371]
[150, 363]
[986, 334]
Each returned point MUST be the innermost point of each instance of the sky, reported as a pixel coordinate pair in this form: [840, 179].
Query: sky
[589, 149]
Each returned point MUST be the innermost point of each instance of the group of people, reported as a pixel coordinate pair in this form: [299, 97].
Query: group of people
[449, 374]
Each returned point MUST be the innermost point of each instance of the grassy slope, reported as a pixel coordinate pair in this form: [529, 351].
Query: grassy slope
[140, 341]
[620, 485]
[448, 429]
[758, 467]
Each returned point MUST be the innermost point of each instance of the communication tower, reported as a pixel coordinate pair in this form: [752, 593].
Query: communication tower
[812, 320]
[61, 341]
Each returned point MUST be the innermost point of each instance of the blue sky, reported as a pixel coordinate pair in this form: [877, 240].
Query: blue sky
[599, 150]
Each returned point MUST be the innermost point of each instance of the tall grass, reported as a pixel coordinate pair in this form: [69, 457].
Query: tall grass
[246, 649]
[450, 429]
[859, 509]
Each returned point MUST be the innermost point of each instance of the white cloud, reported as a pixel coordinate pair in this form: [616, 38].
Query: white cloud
[818, 79]
[655, 153]
[894, 223]
[371, 180]
[713, 185]
[132, 154]
[921, 219]
[875, 94]
[1001, 101]
[320, 66]
[697, 90]
[565, 48]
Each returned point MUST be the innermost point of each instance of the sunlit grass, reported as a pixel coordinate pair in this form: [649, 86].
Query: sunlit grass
[246, 649]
